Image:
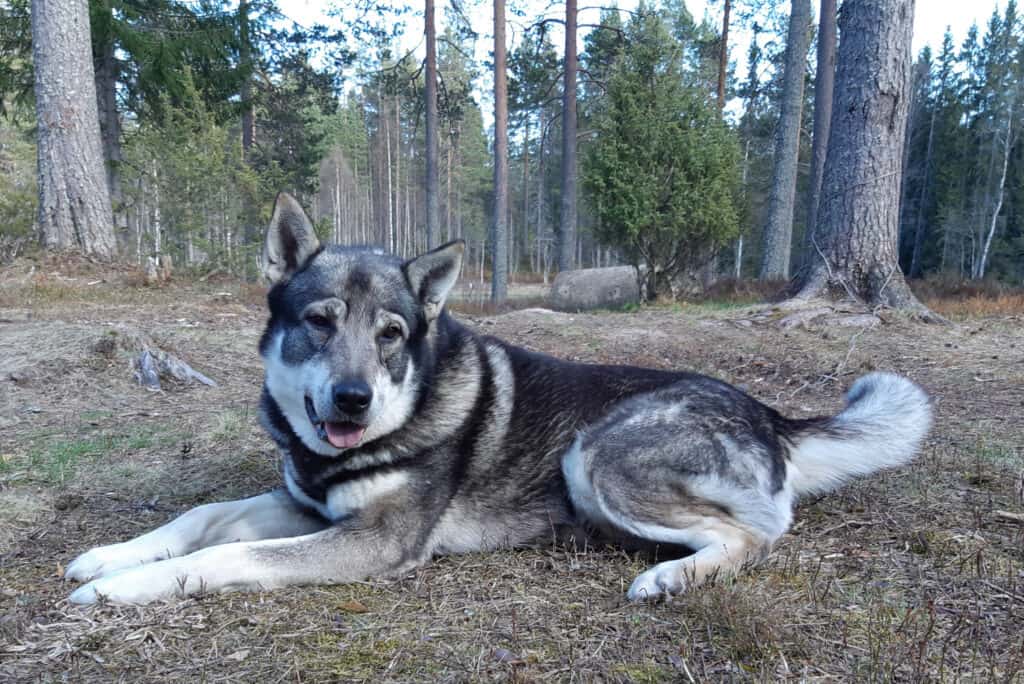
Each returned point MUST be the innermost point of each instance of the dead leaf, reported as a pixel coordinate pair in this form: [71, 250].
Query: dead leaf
[353, 606]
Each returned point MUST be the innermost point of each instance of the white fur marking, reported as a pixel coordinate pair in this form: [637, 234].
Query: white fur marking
[289, 385]
[347, 498]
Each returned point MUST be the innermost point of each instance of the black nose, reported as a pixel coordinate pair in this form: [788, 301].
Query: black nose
[352, 397]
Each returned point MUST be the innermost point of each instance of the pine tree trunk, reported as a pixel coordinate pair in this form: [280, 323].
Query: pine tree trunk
[723, 55]
[526, 187]
[542, 247]
[919, 225]
[567, 233]
[106, 74]
[858, 222]
[824, 85]
[499, 239]
[245, 60]
[778, 231]
[433, 215]
[74, 201]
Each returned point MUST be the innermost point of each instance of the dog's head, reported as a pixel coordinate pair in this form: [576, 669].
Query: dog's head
[349, 330]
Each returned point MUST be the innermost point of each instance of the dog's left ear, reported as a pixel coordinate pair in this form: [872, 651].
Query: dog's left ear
[432, 276]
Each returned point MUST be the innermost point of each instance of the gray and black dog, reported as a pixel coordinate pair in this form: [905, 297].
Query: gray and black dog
[405, 435]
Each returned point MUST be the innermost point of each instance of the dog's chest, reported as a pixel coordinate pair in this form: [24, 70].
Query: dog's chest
[346, 498]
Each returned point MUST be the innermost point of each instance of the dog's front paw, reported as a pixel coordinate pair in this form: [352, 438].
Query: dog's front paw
[104, 560]
[139, 585]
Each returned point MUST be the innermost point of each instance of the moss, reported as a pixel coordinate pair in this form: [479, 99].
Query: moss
[643, 673]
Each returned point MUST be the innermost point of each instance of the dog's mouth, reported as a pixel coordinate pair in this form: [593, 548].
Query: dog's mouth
[339, 434]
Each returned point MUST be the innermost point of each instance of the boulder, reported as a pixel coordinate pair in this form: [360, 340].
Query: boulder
[595, 288]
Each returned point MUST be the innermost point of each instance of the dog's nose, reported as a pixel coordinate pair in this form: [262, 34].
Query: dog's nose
[352, 397]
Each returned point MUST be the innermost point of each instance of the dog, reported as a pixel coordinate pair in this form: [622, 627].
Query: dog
[405, 435]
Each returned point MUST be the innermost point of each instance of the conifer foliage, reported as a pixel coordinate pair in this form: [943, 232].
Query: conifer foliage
[620, 153]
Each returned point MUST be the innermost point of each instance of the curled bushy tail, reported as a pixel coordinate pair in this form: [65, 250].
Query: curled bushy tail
[885, 419]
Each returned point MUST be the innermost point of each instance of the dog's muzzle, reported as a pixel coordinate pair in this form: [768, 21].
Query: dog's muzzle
[341, 434]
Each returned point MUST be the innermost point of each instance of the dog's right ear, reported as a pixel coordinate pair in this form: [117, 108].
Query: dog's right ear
[432, 276]
[290, 239]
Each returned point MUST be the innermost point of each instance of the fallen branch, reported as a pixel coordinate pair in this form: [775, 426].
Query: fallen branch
[1010, 517]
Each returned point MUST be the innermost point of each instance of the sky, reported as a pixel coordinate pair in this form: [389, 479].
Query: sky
[931, 17]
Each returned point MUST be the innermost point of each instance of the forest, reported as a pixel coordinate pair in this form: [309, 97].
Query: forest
[207, 109]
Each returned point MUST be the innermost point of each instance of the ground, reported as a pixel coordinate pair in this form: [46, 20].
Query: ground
[915, 574]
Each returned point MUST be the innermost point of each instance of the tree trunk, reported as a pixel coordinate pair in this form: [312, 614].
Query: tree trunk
[824, 84]
[778, 231]
[541, 237]
[499, 240]
[1000, 192]
[106, 75]
[723, 55]
[245, 61]
[433, 216]
[567, 234]
[858, 222]
[915, 257]
[525, 246]
[74, 201]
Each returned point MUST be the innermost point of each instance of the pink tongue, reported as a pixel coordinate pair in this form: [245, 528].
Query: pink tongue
[344, 435]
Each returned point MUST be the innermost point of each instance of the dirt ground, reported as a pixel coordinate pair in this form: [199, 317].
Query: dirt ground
[916, 574]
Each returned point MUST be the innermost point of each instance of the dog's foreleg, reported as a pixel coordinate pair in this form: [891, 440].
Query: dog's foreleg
[267, 516]
[342, 553]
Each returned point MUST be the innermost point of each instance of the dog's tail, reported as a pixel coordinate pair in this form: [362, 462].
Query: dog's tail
[885, 419]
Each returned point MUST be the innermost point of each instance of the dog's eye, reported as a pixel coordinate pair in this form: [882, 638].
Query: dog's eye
[319, 321]
[391, 333]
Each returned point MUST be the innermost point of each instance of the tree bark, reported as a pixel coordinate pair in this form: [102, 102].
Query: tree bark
[824, 85]
[1000, 192]
[723, 55]
[922, 198]
[433, 216]
[499, 239]
[567, 234]
[858, 217]
[106, 76]
[74, 201]
[778, 231]
[245, 60]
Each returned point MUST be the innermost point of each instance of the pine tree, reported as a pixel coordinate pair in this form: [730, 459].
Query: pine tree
[778, 231]
[74, 202]
[858, 221]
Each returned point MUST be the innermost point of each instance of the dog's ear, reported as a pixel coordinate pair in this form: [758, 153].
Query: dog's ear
[290, 239]
[432, 275]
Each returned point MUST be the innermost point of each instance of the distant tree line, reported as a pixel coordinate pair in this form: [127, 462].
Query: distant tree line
[617, 148]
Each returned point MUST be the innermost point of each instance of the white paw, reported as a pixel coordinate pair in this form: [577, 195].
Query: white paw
[104, 560]
[138, 585]
[664, 579]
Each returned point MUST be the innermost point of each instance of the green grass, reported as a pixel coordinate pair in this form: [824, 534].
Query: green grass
[56, 461]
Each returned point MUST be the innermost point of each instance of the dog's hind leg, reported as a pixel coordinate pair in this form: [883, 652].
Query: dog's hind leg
[267, 516]
[668, 477]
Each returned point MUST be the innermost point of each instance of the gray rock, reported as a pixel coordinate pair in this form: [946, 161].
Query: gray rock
[595, 288]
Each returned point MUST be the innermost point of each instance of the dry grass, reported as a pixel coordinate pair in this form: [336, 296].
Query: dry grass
[964, 299]
[909, 576]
